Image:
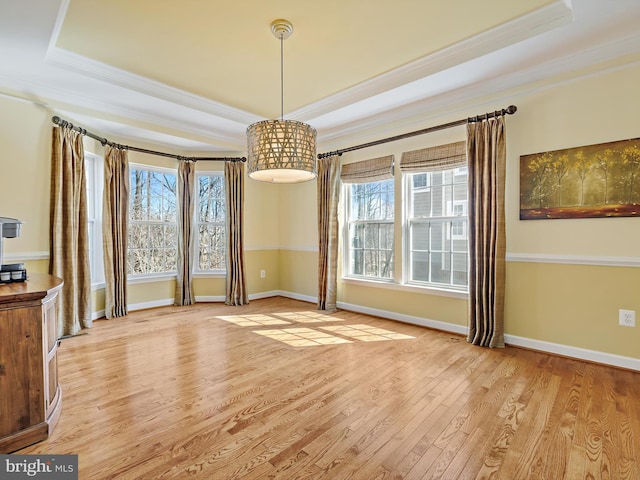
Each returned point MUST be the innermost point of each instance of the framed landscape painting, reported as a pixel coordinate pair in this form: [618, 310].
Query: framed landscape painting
[600, 180]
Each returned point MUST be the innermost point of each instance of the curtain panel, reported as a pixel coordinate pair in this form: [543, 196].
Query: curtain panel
[186, 200]
[487, 245]
[236, 291]
[372, 170]
[115, 219]
[69, 233]
[328, 197]
[434, 159]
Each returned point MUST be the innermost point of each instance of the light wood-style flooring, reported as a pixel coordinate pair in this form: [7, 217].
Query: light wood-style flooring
[278, 390]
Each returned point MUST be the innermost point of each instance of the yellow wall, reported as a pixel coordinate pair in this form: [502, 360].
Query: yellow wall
[25, 145]
[571, 304]
[575, 305]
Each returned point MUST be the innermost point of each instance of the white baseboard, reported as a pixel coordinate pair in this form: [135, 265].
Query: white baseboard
[210, 298]
[132, 307]
[574, 352]
[423, 322]
[513, 340]
[297, 296]
[259, 295]
[156, 303]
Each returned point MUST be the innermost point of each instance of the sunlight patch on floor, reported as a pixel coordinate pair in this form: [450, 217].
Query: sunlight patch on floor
[301, 337]
[366, 333]
[308, 317]
[253, 320]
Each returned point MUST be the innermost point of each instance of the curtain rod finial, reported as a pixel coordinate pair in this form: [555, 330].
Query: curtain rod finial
[511, 109]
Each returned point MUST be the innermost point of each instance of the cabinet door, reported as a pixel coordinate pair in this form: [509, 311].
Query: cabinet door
[50, 349]
[21, 369]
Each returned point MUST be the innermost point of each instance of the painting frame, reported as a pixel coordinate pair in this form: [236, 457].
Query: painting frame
[592, 181]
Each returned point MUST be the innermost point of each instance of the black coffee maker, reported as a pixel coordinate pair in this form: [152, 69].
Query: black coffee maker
[10, 272]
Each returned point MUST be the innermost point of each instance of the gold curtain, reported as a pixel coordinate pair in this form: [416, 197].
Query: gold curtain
[184, 284]
[486, 154]
[328, 197]
[69, 234]
[115, 218]
[236, 291]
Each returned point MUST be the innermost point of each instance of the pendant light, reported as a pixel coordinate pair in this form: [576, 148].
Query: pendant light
[281, 151]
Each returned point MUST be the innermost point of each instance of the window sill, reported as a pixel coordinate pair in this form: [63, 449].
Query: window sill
[407, 288]
[210, 275]
[131, 280]
[159, 277]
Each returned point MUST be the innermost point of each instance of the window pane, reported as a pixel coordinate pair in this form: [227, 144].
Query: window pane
[386, 236]
[152, 222]
[357, 262]
[371, 240]
[370, 230]
[371, 263]
[386, 264]
[420, 236]
[438, 247]
[440, 270]
[420, 266]
[460, 268]
[211, 222]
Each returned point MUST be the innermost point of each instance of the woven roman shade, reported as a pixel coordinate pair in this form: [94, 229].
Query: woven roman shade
[373, 170]
[433, 159]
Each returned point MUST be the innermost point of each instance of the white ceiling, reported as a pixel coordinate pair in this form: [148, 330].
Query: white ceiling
[192, 75]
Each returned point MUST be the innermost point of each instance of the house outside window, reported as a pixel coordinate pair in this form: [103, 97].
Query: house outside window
[434, 229]
[436, 243]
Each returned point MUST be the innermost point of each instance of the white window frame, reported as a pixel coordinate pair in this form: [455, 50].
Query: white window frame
[347, 240]
[94, 170]
[154, 169]
[408, 220]
[196, 244]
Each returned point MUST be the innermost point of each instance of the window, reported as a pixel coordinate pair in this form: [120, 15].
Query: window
[210, 222]
[152, 245]
[436, 244]
[94, 175]
[370, 229]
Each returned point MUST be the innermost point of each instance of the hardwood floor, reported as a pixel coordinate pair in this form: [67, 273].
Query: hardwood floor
[179, 392]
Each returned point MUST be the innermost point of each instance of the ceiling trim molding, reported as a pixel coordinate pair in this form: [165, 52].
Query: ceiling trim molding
[115, 76]
[517, 83]
[60, 100]
[534, 23]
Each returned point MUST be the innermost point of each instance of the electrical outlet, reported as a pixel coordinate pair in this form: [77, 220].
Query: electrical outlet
[627, 318]
[263, 273]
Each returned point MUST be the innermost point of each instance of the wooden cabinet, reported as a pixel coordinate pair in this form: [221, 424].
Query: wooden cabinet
[30, 396]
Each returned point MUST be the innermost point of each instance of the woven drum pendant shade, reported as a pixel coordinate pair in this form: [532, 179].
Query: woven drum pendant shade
[281, 151]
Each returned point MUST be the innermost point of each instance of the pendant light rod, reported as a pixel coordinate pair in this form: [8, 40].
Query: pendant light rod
[281, 29]
[281, 77]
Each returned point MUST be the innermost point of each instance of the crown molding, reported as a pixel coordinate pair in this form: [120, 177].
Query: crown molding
[115, 76]
[522, 82]
[534, 23]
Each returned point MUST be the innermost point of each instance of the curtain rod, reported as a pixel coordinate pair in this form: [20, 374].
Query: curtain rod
[63, 123]
[510, 110]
